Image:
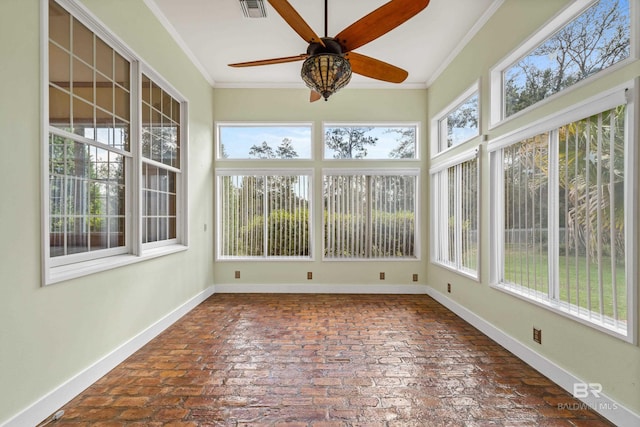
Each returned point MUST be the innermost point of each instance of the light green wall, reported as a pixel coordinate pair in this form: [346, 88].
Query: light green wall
[49, 334]
[590, 355]
[348, 105]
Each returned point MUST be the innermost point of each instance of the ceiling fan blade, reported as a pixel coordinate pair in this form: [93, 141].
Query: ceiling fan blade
[271, 61]
[295, 21]
[379, 22]
[374, 68]
[314, 96]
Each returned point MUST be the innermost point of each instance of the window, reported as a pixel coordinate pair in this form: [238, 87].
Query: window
[379, 142]
[369, 214]
[455, 213]
[92, 197]
[457, 123]
[264, 141]
[160, 163]
[264, 214]
[577, 44]
[562, 216]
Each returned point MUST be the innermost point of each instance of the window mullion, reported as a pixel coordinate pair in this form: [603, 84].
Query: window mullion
[458, 224]
[553, 220]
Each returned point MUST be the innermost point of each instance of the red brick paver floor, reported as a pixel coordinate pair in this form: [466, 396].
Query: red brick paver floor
[324, 361]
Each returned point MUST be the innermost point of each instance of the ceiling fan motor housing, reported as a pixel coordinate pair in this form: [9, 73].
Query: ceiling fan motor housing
[331, 45]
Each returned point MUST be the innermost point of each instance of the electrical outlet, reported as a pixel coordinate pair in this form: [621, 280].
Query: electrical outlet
[309, 275]
[415, 277]
[537, 335]
[237, 274]
[449, 287]
[382, 275]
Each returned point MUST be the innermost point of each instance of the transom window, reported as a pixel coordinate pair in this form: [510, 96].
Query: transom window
[264, 141]
[459, 122]
[577, 44]
[379, 142]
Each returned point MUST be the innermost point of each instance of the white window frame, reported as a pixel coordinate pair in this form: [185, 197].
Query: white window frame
[249, 124]
[562, 18]
[439, 133]
[626, 93]
[264, 172]
[439, 195]
[59, 269]
[380, 172]
[332, 124]
[182, 231]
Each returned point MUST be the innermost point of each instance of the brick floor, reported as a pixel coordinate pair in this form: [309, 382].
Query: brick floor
[324, 361]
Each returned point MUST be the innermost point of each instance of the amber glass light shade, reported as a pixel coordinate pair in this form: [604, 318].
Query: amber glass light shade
[326, 73]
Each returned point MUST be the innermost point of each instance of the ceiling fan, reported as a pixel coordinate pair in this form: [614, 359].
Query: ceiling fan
[329, 61]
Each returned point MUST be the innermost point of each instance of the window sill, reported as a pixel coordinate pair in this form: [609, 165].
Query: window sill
[468, 273]
[85, 268]
[601, 323]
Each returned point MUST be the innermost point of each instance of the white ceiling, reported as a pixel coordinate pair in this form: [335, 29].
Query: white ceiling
[214, 33]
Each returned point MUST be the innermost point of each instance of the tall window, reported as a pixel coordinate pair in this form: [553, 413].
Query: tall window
[563, 218]
[455, 214]
[264, 215]
[574, 46]
[94, 174]
[160, 162]
[89, 141]
[369, 215]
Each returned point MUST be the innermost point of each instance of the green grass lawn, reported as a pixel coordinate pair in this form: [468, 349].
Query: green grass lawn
[531, 270]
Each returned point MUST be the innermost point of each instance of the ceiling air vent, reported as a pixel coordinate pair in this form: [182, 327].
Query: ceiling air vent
[253, 8]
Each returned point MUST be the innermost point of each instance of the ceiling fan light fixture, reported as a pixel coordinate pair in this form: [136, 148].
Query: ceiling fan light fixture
[326, 73]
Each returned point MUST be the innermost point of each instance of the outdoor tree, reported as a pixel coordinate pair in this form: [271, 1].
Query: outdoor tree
[594, 41]
[349, 142]
[406, 148]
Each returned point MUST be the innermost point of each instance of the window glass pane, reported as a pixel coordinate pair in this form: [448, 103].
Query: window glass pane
[591, 214]
[455, 209]
[264, 216]
[469, 215]
[82, 42]
[264, 142]
[526, 183]
[158, 203]
[59, 108]
[462, 122]
[369, 216]
[59, 66]
[59, 26]
[94, 99]
[370, 142]
[86, 193]
[590, 43]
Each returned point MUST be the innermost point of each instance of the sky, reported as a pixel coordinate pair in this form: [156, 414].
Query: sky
[238, 140]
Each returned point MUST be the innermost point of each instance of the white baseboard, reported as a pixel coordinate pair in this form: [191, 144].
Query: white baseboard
[304, 288]
[52, 401]
[604, 405]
